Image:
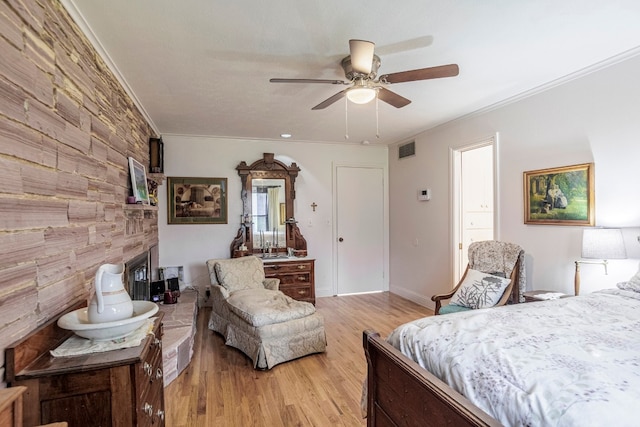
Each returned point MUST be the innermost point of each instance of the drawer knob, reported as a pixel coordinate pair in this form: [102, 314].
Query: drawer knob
[160, 414]
[301, 267]
[159, 373]
[301, 292]
[148, 409]
[302, 278]
[147, 369]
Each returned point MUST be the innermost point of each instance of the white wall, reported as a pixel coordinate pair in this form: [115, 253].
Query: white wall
[595, 118]
[191, 245]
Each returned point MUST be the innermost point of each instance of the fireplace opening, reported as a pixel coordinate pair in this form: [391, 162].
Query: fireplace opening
[137, 277]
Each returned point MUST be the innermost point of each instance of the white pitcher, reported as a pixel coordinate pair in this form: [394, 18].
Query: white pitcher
[111, 301]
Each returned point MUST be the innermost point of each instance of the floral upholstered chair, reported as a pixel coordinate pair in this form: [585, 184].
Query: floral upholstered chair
[494, 276]
[258, 319]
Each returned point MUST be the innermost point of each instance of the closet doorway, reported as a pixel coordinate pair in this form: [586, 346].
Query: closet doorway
[359, 245]
[475, 219]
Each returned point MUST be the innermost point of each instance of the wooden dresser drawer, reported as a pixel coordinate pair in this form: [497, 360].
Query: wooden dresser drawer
[273, 268]
[150, 386]
[302, 293]
[296, 277]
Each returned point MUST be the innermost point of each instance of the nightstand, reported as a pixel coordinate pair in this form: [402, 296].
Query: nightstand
[530, 296]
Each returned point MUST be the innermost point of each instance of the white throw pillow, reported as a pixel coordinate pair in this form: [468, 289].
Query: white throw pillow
[480, 290]
[629, 286]
[636, 278]
[632, 285]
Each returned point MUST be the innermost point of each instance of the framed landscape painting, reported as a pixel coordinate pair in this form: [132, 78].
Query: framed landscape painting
[197, 200]
[560, 196]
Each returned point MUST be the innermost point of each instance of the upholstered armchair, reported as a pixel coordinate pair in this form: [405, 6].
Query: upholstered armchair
[258, 319]
[494, 276]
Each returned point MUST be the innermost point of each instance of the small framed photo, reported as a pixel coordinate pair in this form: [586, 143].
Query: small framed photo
[560, 196]
[197, 200]
[138, 181]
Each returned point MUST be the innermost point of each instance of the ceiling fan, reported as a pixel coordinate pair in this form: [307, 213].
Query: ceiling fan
[360, 69]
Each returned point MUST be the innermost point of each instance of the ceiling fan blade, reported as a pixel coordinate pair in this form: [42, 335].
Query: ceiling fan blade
[404, 46]
[361, 52]
[333, 82]
[392, 98]
[421, 74]
[331, 100]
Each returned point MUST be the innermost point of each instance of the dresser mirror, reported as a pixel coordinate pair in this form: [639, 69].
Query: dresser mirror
[267, 218]
[268, 226]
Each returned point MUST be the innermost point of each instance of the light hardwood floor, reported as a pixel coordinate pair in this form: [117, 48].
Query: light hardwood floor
[221, 388]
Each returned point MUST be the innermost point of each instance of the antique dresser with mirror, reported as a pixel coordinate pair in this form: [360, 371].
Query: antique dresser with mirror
[268, 227]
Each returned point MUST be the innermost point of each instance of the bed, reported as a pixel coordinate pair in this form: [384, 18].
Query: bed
[565, 362]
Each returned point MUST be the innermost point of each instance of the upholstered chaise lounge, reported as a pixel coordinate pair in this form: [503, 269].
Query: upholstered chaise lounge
[258, 319]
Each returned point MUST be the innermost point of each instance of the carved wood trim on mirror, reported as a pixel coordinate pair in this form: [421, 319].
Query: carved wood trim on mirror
[262, 229]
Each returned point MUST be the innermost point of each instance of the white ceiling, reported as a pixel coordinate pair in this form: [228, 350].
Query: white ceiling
[202, 67]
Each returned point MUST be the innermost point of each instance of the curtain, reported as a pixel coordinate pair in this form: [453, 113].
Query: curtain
[273, 204]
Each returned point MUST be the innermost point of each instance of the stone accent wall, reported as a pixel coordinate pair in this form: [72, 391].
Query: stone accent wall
[67, 128]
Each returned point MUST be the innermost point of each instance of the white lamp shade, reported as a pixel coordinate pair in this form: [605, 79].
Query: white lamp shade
[361, 95]
[603, 243]
[361, 55]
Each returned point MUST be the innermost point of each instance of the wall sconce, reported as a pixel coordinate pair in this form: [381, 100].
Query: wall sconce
[599, 243]
[156, 155]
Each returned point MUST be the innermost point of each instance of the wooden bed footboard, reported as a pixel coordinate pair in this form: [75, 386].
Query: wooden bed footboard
[401, 393]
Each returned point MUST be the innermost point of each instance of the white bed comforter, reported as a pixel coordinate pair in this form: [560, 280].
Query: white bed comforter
[566, 362]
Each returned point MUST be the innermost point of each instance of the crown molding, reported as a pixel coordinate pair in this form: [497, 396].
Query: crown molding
[621, 57]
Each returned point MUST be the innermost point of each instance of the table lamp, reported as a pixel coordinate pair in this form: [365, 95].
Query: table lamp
[602, 244]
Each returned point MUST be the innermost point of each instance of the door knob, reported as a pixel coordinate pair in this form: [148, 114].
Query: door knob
[340, 239]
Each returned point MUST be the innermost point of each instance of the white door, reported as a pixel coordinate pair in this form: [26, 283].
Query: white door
[360, 229]
[475, 197]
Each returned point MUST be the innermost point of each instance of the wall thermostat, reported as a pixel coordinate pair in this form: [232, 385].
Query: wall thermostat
[424, 195]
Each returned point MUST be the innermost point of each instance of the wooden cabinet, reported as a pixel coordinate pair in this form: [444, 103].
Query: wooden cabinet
[116, 388]
[296, 277]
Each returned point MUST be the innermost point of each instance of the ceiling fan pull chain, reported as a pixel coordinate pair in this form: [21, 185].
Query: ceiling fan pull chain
[346, 118]
[377, 121]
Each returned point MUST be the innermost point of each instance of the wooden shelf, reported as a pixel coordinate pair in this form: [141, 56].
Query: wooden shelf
[139, 207]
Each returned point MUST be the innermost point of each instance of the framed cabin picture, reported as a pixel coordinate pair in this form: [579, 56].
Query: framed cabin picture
[197, 200]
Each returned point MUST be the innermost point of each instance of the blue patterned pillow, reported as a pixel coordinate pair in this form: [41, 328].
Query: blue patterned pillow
[480, 290]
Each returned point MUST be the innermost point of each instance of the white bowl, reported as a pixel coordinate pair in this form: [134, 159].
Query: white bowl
[78, 322]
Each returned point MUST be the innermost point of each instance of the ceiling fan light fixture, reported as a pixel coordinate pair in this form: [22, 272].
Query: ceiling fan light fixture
[361, 95]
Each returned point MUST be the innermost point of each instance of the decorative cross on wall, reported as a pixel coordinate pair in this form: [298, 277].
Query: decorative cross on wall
[314, 206]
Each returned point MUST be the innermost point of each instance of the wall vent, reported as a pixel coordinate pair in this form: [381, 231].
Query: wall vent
[407, 150]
